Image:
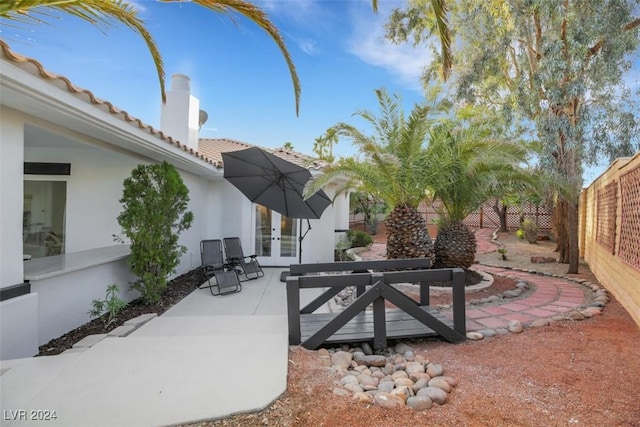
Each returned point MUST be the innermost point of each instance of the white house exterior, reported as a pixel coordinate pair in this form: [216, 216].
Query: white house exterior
[64, 155]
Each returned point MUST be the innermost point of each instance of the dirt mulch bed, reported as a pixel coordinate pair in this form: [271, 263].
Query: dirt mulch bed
[177, 289]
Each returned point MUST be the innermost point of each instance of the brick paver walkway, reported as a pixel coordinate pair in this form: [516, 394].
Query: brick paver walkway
[551, 296]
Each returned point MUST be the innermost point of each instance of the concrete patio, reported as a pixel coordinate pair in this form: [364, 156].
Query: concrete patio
[207, 357]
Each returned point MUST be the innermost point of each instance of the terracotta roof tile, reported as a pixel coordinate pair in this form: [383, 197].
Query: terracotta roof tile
[214, 147]
[37, 69]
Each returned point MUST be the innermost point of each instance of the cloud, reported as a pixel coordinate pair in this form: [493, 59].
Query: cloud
[368, 43]
[298, 11]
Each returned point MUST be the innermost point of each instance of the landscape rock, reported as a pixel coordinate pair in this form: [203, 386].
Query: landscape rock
[372, 360]
[362, 397]
[441, 383]
[342, 358]
[387, 400]
[435, 370]
[366, 349]
[402, 348]
[419, 403]
[437, 395]
[475, 336]
[515, 326]
[538, 323]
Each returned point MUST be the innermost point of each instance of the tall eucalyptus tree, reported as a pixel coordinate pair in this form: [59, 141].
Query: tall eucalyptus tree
[554, 65]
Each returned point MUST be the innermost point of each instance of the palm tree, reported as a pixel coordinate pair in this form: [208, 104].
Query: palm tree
[439, 9]
[391, 166]
[107, 12]
[470, 157]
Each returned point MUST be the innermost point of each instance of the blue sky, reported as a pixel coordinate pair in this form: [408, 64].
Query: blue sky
[236, 71]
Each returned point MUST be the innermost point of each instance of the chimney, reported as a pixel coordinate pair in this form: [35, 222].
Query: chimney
[179, 116]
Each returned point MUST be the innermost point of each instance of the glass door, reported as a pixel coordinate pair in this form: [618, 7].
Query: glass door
[276, 238]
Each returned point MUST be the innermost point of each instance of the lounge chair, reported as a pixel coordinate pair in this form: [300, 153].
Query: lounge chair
[247, 266]
[226, 277]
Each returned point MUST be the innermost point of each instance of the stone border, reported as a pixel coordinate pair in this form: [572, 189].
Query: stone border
[120, 332]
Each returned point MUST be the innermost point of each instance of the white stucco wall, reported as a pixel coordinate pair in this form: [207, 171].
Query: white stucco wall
[11, 169]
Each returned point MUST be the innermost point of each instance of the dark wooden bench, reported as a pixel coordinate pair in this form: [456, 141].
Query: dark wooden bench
[410, 318]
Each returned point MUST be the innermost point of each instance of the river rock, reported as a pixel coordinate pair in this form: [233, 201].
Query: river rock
[515, 326]
[434, 370]
[348, 379]
[421, 383]
[399, 374]
[342, 359]
[452, 381]
[363, 397]
[386, 386]
[403, 382]
[437, 395]
[402, 392]
[419, 403]
[595, 311]
[366, 349]
[372, 360]
[338, 391]
[538, 323]
[575, 315]
[353, 388]
[440, 383]
[388, 369]
[415, 376]
[387, 400]
[402, 348]
[474, 336]
[366, 380]
[414, 367]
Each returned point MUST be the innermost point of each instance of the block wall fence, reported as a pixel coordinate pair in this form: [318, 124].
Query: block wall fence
[610, 231]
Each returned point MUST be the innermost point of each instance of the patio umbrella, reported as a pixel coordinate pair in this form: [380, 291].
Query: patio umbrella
[275, 183]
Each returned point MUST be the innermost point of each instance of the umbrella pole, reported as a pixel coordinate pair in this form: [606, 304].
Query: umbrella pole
[301, 238]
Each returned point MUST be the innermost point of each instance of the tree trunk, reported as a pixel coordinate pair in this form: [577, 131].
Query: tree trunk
[501, 211]
[572, 224]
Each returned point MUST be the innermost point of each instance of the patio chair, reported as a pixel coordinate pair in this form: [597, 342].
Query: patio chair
[247, 266]
[226, 276]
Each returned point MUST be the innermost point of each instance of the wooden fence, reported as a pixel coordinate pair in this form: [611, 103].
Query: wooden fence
[610, 231]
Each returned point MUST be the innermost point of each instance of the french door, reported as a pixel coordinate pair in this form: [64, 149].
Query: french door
[276, 238]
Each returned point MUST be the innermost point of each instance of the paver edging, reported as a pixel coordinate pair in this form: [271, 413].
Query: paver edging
[582, 311]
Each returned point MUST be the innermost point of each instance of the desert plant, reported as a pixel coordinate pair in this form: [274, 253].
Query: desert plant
[154, 213]
[503, 253]
[530, 230]
[111, 304]
[359, 239]
[455, 246]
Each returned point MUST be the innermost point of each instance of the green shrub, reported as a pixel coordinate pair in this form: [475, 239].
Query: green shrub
[154, 213]
[520, 233]
[359, 239]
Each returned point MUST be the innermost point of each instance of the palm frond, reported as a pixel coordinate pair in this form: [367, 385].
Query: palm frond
[260, 18]
[96, 12]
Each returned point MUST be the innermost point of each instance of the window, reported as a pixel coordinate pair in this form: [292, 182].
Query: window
[43, 218]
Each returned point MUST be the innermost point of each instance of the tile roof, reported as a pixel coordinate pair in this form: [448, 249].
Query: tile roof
[37, 69]
[214, 147]
[209, 150]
